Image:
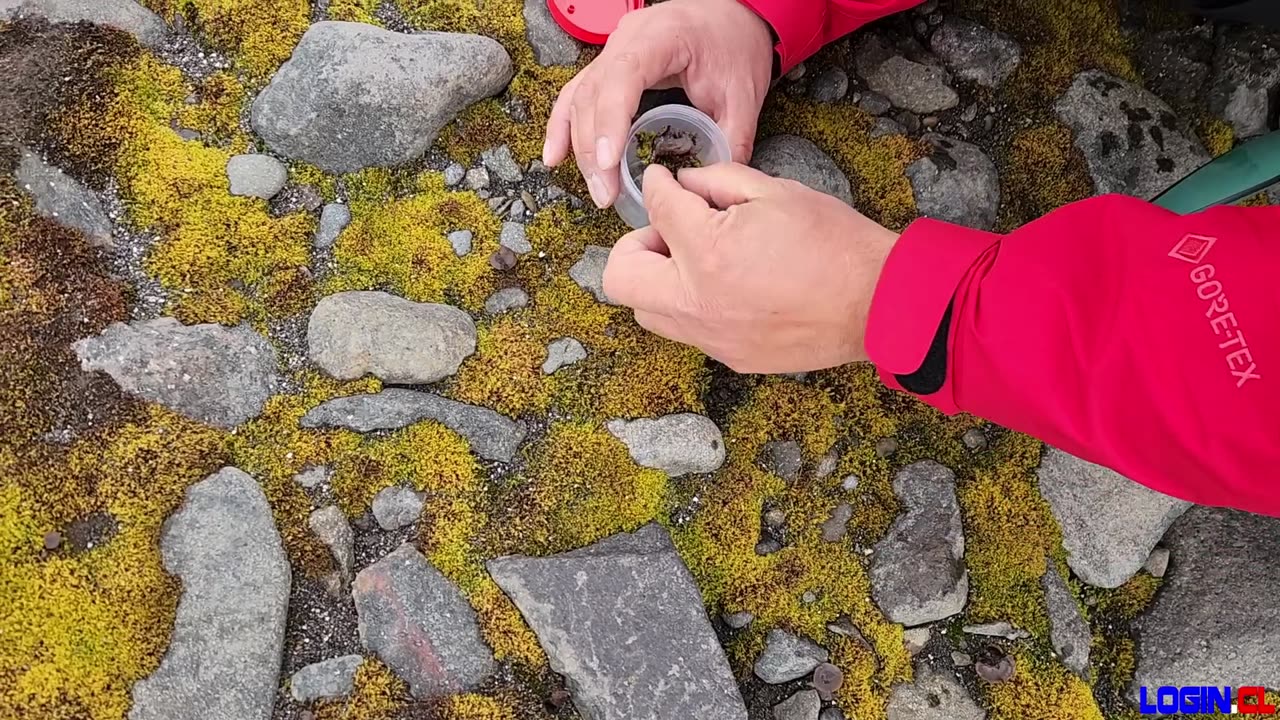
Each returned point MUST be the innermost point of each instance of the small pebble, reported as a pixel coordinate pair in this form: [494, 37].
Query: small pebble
[916, 638]
[516, 213]
[1158, 562]
[960, 659]
[970, 113]
[461, 241]
[768, 547]
[52, 540]
[506, 299]
[795, 73]
[849, 484]
[874, 103]
[502, 259]
[930, 122]
[809, 597]
[775, 518]
[885, 447]
[529, 203]
[513, 238]
[836, 526]
[738, 620]
[477, 178]
[827, 465]
[974, 439]
[454, 174]
[536, 166]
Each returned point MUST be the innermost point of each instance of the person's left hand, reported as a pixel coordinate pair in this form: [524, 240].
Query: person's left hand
[780, 280]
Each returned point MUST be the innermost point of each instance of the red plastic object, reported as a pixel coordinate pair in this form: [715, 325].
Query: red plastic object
[591, 21]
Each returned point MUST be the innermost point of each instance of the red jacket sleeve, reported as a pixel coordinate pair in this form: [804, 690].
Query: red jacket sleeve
[1136, 338]
[804, 26]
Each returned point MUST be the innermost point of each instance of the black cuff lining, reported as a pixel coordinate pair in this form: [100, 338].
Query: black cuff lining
[932, 374]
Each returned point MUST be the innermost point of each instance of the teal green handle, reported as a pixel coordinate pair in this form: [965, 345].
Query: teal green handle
[1245, 171]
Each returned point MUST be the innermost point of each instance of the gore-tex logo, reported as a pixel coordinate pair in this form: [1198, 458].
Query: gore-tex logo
[1222, 320]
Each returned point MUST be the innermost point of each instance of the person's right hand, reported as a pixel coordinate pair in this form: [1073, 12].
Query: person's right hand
[719, 51]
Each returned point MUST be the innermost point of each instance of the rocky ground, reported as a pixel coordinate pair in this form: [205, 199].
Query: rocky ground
[314, 406]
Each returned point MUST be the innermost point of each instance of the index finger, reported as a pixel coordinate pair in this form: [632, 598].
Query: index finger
[678, 215]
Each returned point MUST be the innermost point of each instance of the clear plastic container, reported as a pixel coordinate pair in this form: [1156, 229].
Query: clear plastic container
[712, 148]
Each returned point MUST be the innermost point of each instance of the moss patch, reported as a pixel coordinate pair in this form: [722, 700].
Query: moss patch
[1040, 683]
[377, 695]
[259, 34]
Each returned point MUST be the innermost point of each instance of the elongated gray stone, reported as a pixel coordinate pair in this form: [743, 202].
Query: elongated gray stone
[228, 634]
[787, 657]
[124, 15]
[795, 158]
[62, 199]
[675, 444]
[492, 436]
[1068, 630]
[331, 679]
[624, 623]
[418, 623]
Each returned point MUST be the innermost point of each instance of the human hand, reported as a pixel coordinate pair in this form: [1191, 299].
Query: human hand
[780, 280]
[719, 51]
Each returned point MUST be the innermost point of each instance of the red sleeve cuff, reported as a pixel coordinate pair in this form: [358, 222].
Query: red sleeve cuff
[799, 25]
[915, 288]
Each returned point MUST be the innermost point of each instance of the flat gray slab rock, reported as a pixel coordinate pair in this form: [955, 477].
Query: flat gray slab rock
[1068, 630]
[804, 705]
[956, 182]
[63, 199]
[562, 352]
[1216, 620]
[675, 444]
[1109, 523]
[356, 96]
[787, 657]
[976, 53]
[909, 85]
[418, 623]
[397, 340]
[917, 570]
[492, 436]
[795, 158]
[218, 375]
[125, 15]
[224, 654]
[588, 272]
[1132, 142]
[551, 44]
[932, 696]
[331, 679]
[395, 507]
[260, 176]
[624, 623]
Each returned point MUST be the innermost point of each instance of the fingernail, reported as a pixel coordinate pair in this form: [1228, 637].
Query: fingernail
[604, 153]
[599, 195]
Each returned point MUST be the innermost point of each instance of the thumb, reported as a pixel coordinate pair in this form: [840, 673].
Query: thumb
[639, 273]
[727, 184]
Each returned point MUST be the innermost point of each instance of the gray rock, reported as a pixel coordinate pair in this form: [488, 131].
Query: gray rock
[460, 240]
[588, 272]
[499, 162]
[1109, 523]
[767, 547]
[794, 158]
[909, 85]
[1157, 563]
[886, 126]
[313, 477]
[783, 458]
[477, 178]
[331, 679]
[225, 649]
[419, 624]
[960, 659]
[516, 213]
[354, 95]
[956, 182]
[974, 439]
[796, 73]
[1216, 620]
[214, 374]
[999, 629]
[562, 353]
[1068, 630]
[395, 507]
[551, 44]
[932, 696]
[976, 53]
[849, 483]
[786, 657]
[124, 15]
[917, 569]
[874, 103]
[330, 525]
[831, 713]
[738, 620]
[675, 444]
[514, 239]
[831, 85]
[804, 705]
[453, 174]
[397, 340]
[333, 220]
[491, 436]
[62, 199]
[260, 176]
[916, 638]
[1246, 76]
[625, 607]
[836, 526]
[505, 300]
[1132, 142]
[827, 465]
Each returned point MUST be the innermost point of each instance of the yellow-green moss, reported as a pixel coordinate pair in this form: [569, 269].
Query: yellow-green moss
[377, 695]
[259, 34]
[1218, 135]
[876, 167]
[217, 114]
[354, 11]
[472, 706]
[211, 241]
[1042, 171]
[77, 630]
[1126, 602]
[426, 456]
[505, 373]
[1040, 687]
[402, 246]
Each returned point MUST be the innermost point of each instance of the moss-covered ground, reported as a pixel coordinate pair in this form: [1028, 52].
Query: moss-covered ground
[80, 625]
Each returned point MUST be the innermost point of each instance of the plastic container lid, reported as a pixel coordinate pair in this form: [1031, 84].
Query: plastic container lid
[591, 21]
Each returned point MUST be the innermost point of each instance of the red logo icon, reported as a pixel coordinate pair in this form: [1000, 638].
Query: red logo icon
[1192, 248]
